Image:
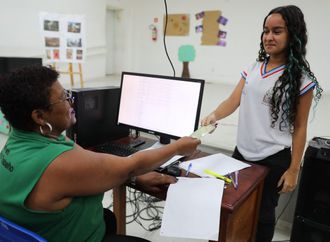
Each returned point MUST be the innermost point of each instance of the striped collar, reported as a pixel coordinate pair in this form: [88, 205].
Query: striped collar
[265, 74]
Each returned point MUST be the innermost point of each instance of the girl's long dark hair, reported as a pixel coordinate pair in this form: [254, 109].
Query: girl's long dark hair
[287, 88]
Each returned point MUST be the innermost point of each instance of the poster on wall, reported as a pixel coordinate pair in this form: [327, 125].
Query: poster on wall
[177, 24]
[63, 37]
[212, 34]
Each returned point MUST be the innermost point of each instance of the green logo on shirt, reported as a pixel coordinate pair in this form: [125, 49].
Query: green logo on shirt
[6, 164]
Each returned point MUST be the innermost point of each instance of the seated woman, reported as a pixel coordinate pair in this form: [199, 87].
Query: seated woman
[51, 185]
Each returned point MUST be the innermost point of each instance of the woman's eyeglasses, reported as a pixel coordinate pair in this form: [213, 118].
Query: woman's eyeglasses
[68, 97]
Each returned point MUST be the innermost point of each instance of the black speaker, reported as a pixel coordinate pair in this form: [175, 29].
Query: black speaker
[96, 113]
[312, 215]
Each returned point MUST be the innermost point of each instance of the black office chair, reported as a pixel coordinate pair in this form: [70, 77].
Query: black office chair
[123, 238]
[111, 228]
[10, 232]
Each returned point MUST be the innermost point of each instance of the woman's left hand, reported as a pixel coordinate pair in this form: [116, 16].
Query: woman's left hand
[154, 181]
[289, 181]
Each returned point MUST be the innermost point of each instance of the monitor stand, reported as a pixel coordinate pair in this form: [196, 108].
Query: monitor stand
[163, 140]
[136, 142]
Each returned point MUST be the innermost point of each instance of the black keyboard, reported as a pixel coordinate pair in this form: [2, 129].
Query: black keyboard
[120, 149]
[116, 149]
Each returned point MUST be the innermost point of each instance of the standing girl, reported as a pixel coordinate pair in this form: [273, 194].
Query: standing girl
[274, 95]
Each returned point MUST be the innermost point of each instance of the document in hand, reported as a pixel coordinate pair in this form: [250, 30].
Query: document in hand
[192, 209]
[170, 161]
[204, 130]
[219, 163]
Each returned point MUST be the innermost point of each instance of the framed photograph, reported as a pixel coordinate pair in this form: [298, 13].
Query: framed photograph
[74, 27]
[52, 42]
[51, 25]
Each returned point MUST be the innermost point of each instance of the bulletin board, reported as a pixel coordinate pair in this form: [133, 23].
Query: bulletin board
[177, 24]
[63, 37]
[211, 27]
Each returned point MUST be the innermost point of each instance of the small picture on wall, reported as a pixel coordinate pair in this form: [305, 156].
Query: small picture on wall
[79, 55]
[199, 28]
[48, 54]
[199, 15]
[56, 54]
[52, 42]
[69, 53]
[51, 25]
[74, 27]
[222, 34]
[71, 42]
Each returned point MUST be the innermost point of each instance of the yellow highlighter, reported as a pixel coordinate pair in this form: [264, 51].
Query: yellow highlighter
[212, 173]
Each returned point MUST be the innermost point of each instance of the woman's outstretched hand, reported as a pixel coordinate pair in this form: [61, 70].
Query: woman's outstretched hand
[187, 145]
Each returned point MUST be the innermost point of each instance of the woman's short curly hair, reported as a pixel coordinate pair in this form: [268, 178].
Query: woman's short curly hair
[23, 91]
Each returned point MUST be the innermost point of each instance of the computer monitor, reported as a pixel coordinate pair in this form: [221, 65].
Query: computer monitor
[8, 64]
[96, 113]
[160, 105]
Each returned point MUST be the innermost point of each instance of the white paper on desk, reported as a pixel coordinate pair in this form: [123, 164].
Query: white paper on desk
[192, 209]
[219, 163]
[170, 161]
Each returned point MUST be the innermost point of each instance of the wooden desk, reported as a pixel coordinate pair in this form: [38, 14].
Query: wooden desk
[239, 208]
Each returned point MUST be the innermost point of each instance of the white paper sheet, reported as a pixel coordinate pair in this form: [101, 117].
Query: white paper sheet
[219, 163]
[192, 209]
[170, 161]
[204, 130]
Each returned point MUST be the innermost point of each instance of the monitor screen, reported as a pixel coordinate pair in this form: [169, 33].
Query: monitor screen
[160, 105]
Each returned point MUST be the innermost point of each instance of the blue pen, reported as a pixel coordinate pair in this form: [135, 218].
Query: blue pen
[233, 179]
[236, 178]
[188, 169]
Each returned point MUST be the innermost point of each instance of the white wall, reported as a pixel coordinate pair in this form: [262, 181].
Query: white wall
[135, 51]
[21, 36]
[213, 63]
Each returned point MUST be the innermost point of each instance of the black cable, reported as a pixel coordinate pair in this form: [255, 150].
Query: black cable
[132, 201]
[143, 208]
[164, 36]
[285, 207]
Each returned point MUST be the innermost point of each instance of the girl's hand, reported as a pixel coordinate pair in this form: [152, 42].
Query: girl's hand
[288, 180]
[210, 119]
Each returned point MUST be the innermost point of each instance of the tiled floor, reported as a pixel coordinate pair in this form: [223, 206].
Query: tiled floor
[223, 138]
